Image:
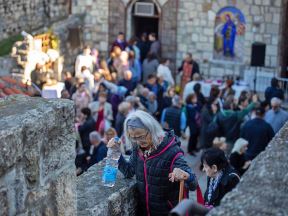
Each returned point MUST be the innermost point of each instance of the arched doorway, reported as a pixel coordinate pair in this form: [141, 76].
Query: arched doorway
[143, 16]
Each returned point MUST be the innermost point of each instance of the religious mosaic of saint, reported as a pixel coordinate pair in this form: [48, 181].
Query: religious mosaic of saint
[229, 34]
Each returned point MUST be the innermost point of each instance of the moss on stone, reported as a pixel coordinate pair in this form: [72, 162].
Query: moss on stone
[7, 44]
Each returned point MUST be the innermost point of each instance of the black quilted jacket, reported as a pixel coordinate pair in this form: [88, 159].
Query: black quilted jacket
[157, 194]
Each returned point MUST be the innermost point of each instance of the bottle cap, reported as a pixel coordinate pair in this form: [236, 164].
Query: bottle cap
[117, 139]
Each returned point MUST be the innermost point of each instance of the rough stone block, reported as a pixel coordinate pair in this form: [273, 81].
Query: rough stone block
[4, 203]
[118, 200]
[272, 50]
[268, 17]
[266, 2]
[208, 32]
[64, 192]
[34, 132]
[276, 18]
[255, 10]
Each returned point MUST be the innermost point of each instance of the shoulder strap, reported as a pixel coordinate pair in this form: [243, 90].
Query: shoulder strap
[173, 161]
[235, 174]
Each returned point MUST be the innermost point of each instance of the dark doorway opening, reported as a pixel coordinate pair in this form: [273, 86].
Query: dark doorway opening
[145, 24]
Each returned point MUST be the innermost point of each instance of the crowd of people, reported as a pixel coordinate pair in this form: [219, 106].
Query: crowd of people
[115, 97]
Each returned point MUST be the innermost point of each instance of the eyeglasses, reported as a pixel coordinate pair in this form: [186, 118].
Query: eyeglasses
[139, 139]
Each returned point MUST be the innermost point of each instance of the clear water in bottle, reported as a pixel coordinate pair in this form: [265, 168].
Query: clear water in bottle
[111, 167]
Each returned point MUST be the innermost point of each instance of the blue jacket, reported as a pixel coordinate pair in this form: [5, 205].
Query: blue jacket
[99, 153]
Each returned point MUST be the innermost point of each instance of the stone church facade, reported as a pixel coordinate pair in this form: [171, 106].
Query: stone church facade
[189, 26]
[181, 25]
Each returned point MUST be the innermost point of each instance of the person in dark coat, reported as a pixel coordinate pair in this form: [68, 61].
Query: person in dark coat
[155, 45]
[158, 163]
[258, 133]
[96, 153]
[38, 76]
[192, 110]
[154, 86]
[128, 82]
[167, 98]
[222, 178]
[149, 66]
[144, 97]
[200, 97]
[208, 113]
[230, 121]
[274, 91]
[98, 149]
[237, 157]
[174, 117]
[86, 128]
[120, 42]
[144, 46]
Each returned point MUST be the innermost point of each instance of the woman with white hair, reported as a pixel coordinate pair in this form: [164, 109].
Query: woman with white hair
[237, 157]
[158, 163]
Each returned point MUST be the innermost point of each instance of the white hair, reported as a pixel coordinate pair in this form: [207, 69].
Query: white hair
[150, 123]
[176, 100]
[94, 136]
[124, 107]
[239, 144]
[276, 100]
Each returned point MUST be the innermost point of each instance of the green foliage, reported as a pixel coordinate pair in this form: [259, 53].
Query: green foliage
[7, 44]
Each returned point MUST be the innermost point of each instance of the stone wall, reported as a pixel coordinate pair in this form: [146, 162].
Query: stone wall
[37, 173]
[94, 199]
[6, 65]
[263, 190]
[284, 39]
[70, 33]
[117, 11]
[169, 31]
[18, 15]
[95, 29]
[196, 20]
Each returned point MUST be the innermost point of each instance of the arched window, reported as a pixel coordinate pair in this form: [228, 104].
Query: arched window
[229, 35]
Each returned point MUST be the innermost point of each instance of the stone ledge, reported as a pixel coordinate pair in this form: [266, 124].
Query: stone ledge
[95, 199]
[263, 190]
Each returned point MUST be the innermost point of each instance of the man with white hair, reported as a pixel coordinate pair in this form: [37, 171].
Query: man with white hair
[174, 117]
[98, 149]
[276, 116]
[128, 82]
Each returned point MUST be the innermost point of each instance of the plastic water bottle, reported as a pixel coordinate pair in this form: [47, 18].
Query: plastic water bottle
[111, 167]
